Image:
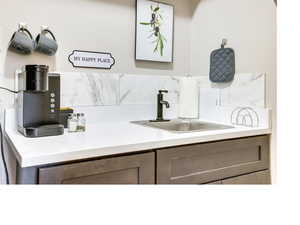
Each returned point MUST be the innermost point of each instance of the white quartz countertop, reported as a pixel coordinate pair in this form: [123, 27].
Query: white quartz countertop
[104, 139]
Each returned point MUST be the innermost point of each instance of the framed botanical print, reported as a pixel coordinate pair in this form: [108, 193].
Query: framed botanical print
[154, 31]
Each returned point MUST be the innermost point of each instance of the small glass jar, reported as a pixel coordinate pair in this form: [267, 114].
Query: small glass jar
[81, 125]
[72, 123]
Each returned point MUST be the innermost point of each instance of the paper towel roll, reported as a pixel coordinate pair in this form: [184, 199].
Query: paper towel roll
[189, 98]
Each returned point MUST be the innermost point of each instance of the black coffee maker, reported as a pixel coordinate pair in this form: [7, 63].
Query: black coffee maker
[38, 102]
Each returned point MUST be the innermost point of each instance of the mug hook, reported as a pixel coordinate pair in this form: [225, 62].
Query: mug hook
[22, 26]
[224, 42]
[43, 28]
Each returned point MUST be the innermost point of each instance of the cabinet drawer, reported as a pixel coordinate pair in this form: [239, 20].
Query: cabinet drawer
[134, 169]
[203, 163]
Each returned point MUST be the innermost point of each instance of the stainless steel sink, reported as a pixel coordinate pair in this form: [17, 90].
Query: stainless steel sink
[183, 126]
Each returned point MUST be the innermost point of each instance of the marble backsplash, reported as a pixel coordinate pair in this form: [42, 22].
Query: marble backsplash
[143, 89]
[246, 90]
[219, 102]
[89, 89]
[105, 89]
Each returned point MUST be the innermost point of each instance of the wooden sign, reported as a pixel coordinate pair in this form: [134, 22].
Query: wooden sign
[88, 59]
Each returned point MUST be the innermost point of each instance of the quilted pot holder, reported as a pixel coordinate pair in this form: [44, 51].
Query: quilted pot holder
[222, 65]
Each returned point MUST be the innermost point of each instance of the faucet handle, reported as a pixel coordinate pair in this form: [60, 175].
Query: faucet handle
[163, 91]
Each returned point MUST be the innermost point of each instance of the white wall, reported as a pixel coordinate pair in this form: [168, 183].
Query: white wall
[250, 27]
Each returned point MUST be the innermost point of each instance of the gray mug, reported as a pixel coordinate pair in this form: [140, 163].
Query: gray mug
[44, 44]
[22, 42]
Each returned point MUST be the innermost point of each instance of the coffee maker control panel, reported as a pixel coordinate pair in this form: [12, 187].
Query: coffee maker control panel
[54, 97]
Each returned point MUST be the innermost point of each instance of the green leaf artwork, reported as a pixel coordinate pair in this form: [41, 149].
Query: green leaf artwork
[156, 37]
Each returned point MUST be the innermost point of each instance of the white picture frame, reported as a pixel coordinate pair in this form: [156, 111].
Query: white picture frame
[154, 31]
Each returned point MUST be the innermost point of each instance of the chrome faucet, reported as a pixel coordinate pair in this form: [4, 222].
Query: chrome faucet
[160, 104]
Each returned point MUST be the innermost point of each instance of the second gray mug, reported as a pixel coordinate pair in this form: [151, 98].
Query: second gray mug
[45, 44]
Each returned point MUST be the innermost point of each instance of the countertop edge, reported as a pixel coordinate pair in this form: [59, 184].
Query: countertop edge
[13, 148]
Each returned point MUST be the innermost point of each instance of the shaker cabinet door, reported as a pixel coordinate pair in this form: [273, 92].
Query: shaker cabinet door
[134, 169]
[208, 162]
[262, 177]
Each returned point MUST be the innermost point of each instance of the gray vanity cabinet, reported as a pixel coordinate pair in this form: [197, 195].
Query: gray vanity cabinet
[134, 169]
[236, 161]
[216, 161]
